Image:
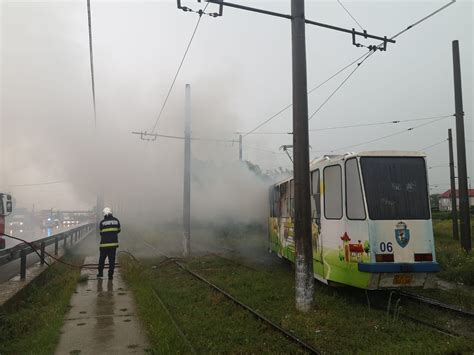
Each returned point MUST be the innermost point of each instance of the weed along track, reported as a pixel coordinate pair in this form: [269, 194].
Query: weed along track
[307, 348]
[446, 319]
[392, 306]
[267, 321]
[226, 302]
[437, 304]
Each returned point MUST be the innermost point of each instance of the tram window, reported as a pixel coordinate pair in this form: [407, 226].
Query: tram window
[333, 192]
[395, 187]
[315, 200]
[276, 202]
[292, 198]
[284, 199]
[354, 198]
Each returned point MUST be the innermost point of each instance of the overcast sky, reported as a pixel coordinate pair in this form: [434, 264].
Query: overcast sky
[239, 68]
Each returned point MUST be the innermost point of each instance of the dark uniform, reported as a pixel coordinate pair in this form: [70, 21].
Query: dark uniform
[109, 229]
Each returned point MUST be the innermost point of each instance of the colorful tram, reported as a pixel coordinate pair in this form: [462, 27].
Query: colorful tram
[371, 220]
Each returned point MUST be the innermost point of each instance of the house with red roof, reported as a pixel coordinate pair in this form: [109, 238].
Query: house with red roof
[445, 200]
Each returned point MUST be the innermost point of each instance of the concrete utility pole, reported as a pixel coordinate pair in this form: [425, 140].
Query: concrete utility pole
[454, 207]
[304, 258]
[240, 147]
[465, 223]
[187, 174]
[304, 279]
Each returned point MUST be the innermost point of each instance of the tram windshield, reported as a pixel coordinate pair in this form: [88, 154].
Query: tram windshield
[395, 187]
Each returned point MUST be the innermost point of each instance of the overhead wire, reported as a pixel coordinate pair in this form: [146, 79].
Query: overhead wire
[368, 55]
[357, 125]
[169, 136]
[216, 140]
[372, 51]
[380, 123]
[390, 135]
[261, 124]
[179, 69]
[439, 166]
[434, 145]
[262, 149]
[345, 9]
[423, 19]
[40, 183]
[91, 58]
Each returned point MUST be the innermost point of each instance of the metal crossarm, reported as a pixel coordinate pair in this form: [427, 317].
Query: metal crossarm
[352, 31]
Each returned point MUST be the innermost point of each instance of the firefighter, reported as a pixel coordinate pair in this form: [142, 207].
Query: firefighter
[109, 229]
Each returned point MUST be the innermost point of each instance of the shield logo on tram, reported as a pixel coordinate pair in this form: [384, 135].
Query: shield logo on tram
[402, 234]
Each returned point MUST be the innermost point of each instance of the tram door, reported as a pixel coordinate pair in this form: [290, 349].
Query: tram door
[316, 220]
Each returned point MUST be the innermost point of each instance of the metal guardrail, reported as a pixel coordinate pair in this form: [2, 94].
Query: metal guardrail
[21, 251]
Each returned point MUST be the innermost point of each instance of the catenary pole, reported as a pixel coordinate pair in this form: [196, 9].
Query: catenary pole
[304, 282]
[465, 223]
[187, 174]
[454, 207]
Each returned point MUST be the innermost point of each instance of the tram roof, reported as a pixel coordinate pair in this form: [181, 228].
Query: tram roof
[374, 153]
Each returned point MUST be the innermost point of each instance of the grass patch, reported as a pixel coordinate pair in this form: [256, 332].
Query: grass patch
[163, 336]
[211, 323]
[337, 324]
[456, 264]
[30, 322]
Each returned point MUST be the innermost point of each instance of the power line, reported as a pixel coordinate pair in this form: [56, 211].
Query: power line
[309, 92]
[423, 19]
[366, 55]
[91, 57]
[341, 84]
[169, 136]
[359, 125]
[179, 68]
[40, 183]
[262, 150]
[380, 123]
[267, 120]
[433, 145]
[438, 166]
[389, 135]
[372, 51]
[360, 26]
[200, 139]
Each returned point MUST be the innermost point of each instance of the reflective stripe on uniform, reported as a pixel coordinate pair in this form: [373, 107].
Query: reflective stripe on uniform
[106, 245]
[110, 230]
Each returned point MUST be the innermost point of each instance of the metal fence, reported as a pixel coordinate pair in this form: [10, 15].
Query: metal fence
[22, 250]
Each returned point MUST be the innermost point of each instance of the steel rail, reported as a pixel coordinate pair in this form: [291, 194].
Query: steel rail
[173, 320]
[412, 319]
[437, 304]
[287, 334]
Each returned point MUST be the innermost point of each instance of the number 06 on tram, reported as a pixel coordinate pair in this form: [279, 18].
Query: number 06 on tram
[371, 221]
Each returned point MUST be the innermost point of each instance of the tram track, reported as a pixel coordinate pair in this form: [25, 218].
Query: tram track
[436, 304]
[394, 312]
[407, 295]
[305, 346]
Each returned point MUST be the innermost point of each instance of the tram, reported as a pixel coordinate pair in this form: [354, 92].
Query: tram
[371, 220]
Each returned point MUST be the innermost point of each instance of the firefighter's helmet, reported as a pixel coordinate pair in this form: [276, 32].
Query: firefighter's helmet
[107, 211]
